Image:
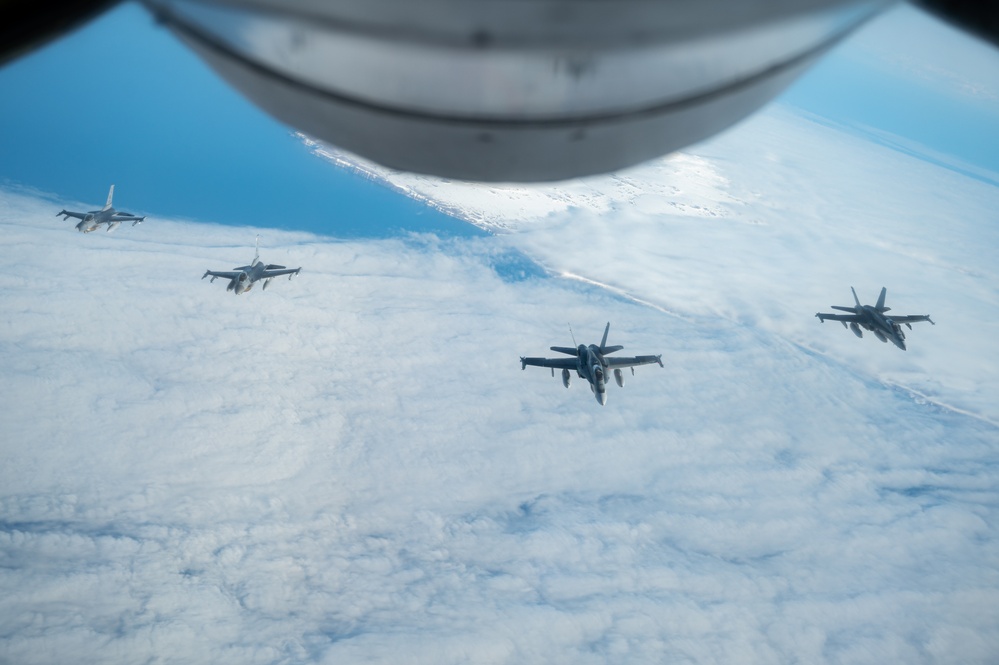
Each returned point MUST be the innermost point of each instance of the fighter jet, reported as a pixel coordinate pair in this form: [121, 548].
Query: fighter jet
[873, 318]
[91, 221]
[591, 363]
[243, 278]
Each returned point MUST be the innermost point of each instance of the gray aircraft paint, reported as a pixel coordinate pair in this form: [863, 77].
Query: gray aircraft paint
[872, 318]
[591, 363]
[91, 221]
[242, 278]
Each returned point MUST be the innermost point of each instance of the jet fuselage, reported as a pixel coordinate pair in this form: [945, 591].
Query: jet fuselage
[590, 365]
[882, 326]
[95, 218]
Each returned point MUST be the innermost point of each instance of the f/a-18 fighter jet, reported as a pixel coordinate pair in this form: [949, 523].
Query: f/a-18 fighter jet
[243, 278]
[91, 221]
[873, 319]
[591, 363]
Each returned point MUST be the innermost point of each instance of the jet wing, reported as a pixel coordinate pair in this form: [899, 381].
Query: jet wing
[557, 363]
[845, 318]
[912, 318]
[126, 217]
[276, 273]
[67, 214]
[221, 275]
[635, 361]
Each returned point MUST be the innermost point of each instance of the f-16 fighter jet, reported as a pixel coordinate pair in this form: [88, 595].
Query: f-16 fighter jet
[591, 363]
[873, 318]
[243, 278]
[91, 221]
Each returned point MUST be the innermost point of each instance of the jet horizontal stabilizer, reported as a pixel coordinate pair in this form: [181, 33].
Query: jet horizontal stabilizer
[844, 309]
[563, 349]
[610, 349]
[274, 266]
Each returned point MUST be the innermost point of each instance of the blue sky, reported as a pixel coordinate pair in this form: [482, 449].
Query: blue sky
[911, 76]
[121, 101]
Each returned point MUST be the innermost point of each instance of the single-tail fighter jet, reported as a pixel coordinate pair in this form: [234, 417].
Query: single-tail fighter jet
[591, 363]
[243, 278]
[91, 221]
[873, 319]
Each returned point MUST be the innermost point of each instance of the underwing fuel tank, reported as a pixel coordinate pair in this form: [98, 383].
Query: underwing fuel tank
[619, 377]
[856, 330]
[566, 379]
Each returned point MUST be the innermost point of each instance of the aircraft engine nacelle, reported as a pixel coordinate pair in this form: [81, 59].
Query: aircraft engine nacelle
[549, 89]
[619, 377]
[880, 335]
[856, 330]
[566, 379]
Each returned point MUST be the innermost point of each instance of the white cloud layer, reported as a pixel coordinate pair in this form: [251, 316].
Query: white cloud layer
[352, 466]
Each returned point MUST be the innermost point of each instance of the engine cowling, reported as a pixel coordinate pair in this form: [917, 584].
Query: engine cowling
[566, 378]
[619, 377]
[856, 330]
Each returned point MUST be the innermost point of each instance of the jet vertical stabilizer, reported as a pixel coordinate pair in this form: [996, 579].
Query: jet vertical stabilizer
[880, 306]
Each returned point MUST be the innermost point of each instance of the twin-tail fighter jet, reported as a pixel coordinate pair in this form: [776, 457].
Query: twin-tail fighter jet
[591, 363]
[243, 278]
[873, 319]
[91, 221]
